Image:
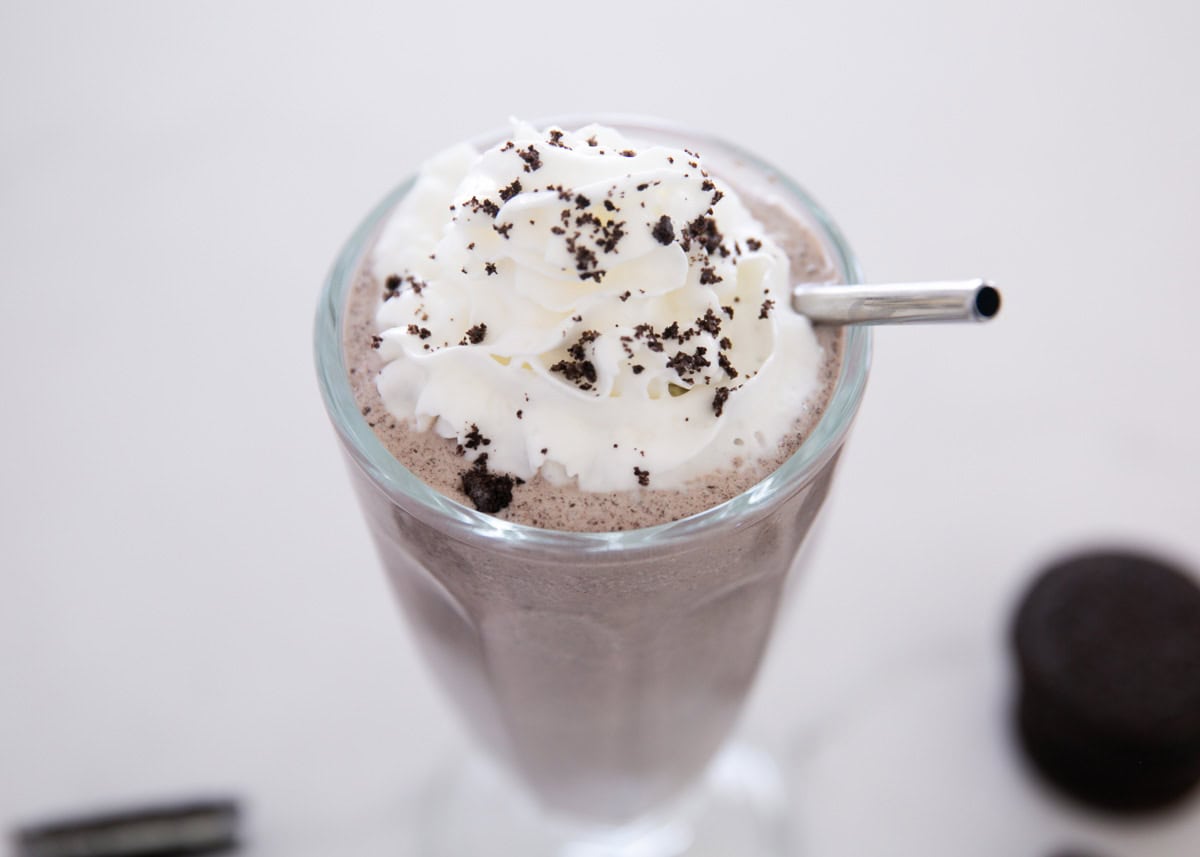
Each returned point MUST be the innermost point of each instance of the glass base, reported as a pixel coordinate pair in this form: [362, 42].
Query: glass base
[739, 808]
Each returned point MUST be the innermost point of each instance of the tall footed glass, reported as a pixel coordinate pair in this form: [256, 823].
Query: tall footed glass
[602, 671]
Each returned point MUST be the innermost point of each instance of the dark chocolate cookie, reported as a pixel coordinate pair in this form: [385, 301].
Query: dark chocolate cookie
[1108, 651]
[196, 827]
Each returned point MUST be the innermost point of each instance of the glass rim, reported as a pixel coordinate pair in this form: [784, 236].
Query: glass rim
[392, 477]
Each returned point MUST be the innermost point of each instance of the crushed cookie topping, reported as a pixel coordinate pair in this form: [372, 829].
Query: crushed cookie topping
[579, 370]
[585, 259]
[611, 235]
[473, 439]
[486, 206]
[474, 335]
[709, 323]
[719, 400]
[489, 492]
[703, 230]
[686, 365]
[646, 333]
[533, 160]
[512, 190]
[395, 284]
[663, 231]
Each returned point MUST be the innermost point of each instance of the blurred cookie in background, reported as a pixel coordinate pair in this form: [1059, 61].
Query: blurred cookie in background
[1107, 649]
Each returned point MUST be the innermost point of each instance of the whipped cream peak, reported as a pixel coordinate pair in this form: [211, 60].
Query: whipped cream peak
[581, 306]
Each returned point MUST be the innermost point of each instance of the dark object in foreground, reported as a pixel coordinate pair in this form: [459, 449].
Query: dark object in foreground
[1108, 649]
[195, 827]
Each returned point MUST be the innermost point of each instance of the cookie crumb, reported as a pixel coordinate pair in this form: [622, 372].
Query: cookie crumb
[474, 334]
[664, 231]
[490, 492]
[719, 400]
[531, 157]
[507, 193]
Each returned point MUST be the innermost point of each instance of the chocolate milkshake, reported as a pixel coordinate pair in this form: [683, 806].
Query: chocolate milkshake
[590, 435]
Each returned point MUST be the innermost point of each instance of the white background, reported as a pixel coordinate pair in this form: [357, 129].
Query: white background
[189, 601]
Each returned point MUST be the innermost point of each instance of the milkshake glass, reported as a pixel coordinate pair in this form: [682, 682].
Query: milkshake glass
[602, 671]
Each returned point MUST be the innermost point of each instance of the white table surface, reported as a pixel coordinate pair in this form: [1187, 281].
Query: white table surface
[189, 600]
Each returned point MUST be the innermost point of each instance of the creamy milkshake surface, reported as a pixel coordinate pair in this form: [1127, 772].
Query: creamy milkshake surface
[580, 331]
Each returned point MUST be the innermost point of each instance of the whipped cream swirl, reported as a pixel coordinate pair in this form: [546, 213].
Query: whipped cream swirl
[578, 305]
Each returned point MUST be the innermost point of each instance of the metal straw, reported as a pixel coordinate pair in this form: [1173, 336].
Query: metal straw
[899, 303]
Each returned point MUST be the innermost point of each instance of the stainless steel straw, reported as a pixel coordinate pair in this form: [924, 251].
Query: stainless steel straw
[899, 303]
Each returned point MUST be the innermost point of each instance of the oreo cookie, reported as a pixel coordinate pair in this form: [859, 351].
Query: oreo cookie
[163, 830]
[1107, 648]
